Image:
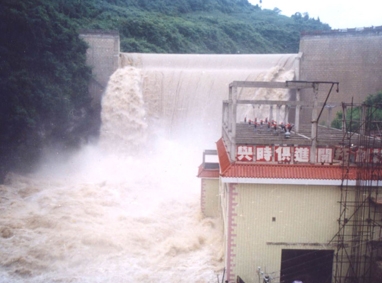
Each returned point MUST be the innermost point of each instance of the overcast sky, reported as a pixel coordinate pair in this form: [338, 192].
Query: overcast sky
[339, 14]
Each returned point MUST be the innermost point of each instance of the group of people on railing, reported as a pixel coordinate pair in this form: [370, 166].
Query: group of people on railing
[271, 124]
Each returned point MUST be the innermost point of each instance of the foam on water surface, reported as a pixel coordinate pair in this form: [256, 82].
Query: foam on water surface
[128, 208]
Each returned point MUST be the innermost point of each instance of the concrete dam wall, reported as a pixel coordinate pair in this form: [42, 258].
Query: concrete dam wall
[351, 57]
[103, 57]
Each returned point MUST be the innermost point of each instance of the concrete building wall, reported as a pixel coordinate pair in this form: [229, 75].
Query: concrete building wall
[351, 57]
[103, 57]
[264, 219]
[210, 201]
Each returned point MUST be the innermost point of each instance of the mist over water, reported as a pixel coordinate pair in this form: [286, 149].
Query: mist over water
[128, 208]
[184, 93]
[124, 125]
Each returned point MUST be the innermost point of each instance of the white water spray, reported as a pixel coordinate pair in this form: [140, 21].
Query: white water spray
[128, 210]
[123, 128]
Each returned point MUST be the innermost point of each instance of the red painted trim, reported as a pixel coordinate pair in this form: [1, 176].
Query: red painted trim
[203, 196]
[231, 235]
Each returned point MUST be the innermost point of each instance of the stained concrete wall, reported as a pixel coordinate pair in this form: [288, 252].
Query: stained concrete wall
[352, 57]
[103, 57]
[267, 218]
[210, 204]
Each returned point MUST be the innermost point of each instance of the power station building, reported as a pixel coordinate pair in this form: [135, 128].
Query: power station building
[303, 205]
[299, 205]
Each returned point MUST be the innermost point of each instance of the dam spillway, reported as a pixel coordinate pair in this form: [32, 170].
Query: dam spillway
[183, 94]
[109, 215]
[108, 218]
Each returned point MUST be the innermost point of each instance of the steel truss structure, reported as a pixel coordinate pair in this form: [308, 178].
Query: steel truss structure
[359, 237]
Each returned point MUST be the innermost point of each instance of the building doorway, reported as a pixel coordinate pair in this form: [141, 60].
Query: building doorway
[307, 266]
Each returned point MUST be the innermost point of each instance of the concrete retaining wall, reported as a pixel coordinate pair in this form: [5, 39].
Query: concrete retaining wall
[352, 57]
[210, 204]
[103, 57]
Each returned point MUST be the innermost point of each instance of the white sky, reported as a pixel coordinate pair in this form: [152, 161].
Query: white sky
[339, 14]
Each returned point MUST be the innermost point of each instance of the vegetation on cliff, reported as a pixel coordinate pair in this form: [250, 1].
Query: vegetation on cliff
[44, 77]
[353, 116]
[43, 82]
[193, 26]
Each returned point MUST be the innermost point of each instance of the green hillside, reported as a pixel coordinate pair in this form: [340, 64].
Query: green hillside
[44, 78]
[192, 26]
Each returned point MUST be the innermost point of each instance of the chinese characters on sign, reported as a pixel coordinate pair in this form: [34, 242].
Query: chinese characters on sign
[341, 153]
[374, 155]
[265, 153]
[244, 153]
[301, 154]
[325, 155]
[283, 153]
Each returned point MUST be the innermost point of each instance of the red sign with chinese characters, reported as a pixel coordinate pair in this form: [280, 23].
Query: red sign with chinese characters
[301, 154]
[325, 155]
[374, 155]
[244, 153]
[283, 153]
[264, 153]
[344, 153]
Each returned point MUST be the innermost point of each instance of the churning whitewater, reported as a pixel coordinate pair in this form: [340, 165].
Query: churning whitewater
[128, 208]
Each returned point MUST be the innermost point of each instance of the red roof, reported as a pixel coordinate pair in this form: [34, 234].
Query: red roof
[278, 171]
[208, 173]
[286, 171]
[224, 161]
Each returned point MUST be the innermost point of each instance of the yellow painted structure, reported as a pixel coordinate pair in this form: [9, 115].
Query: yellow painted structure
[265, 219]
[210, 202]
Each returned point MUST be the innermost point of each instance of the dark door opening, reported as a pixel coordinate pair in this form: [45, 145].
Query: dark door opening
[307, 266]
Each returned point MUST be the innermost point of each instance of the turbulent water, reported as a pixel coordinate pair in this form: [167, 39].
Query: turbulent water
[128, 208]
[184, 93]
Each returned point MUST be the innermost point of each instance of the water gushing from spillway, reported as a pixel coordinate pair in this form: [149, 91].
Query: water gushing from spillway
[184, 93]
[128, 209]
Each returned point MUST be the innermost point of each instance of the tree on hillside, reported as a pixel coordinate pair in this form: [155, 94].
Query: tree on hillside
[195, 26]
[353, 116]
[43, 82]
[44, 78]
